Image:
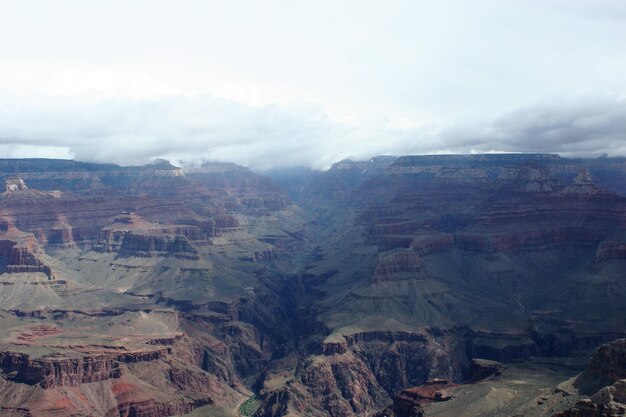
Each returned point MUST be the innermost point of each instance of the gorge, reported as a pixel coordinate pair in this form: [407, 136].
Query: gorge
[160, 291]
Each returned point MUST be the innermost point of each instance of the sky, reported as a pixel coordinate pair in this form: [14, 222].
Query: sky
[278, 83]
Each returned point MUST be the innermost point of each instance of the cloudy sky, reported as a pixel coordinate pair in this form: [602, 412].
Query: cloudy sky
[277, 83]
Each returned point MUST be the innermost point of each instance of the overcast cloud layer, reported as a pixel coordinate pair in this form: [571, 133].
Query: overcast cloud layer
[281, 83]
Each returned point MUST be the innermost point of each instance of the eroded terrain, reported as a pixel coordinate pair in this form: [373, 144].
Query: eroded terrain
[153, 291]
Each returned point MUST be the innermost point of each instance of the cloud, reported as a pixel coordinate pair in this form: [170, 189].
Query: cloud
[234, 80]
[186, 129]
[576, 127]
[191, 129]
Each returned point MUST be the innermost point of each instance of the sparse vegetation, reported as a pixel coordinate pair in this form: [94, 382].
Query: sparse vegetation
[248, 407]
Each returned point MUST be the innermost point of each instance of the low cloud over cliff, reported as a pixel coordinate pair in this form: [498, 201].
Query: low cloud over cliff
[191, 129]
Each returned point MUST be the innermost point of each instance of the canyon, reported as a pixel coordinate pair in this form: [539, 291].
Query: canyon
[413, 285]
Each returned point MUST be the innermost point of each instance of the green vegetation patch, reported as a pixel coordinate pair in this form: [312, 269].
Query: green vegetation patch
[249, 406]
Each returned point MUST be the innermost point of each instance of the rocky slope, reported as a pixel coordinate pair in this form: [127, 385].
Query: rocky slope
[139, 290]
[500, 257]
[601, 388]
[156, 290]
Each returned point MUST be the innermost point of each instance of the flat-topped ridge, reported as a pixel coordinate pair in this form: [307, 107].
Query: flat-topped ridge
[17, 165]
[475, 159]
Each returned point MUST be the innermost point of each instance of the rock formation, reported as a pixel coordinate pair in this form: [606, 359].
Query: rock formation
[14, 184]
[156, 290]
[605, 380]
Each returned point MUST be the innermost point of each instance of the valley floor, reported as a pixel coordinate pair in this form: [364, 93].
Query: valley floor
[530, 388]
[523, 389]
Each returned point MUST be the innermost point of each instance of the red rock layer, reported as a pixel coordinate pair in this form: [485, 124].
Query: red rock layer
[397, 266]
[49, 372]
[20, 251]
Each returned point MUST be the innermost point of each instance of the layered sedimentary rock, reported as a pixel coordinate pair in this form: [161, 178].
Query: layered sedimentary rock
[14, 184]
[134, 374]
[203, 204]
[399, 265]
[21, 252]
[611, 249]
[503, 254]
[341, 385]
[408, 403]
[607, 366]
[182, 288]
[604, 381]
[57, 174]
[608, 402]
[52, 372]
[129, 247]
[432, 391]
[132, 235]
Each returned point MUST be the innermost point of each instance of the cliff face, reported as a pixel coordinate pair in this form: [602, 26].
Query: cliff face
[154, 290]
[49, 373]
[508, 216]
[607, 366]
[64, 175]
[401, 265]
[76, 201]
[340, 385]
[607, 403]
[21, 252]
[506, 255]
[132, 373]
[605, 381]
[358, 374]
[126, 248]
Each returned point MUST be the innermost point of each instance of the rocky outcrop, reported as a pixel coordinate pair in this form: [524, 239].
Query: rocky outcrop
[398, 266]
[527, 239]
[583, 184]
[132, 235]
[607, 365]
[22, 259]
[208, 227]
[605, 381]
[482, 369]
[92, 196]
[14, 184]
[391, 273]
[157, 245]
[486, 204]
[226, 222]
[526, 170]
[362, 372]
[155, 408]
[409, 402]
[535, 178]
[170, 385]
[341, 343]
[432, 243]
[608, 402]
[58, 174]
[49, 372]
[610, 249]
[341, 386]
[21, 253]
[434, 390]
[335, 186]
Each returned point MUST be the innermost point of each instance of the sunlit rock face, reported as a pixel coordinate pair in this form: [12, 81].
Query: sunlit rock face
[141, 287]
[14, 184]
[604, 381]
[157, 290]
